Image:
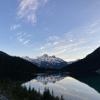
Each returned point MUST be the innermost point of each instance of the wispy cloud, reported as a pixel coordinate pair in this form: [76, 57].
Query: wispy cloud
[23, 38]
[14, 27]
[93, 28]
[53, 38]
[58, 45]
[27, 9]
[72, 42]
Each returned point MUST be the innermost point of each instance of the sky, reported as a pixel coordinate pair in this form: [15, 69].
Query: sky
[69, 29]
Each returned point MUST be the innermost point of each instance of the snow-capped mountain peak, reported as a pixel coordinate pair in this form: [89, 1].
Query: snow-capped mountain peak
[48, 61]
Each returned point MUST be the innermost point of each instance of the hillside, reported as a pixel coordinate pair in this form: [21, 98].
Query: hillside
[15, 67]
[91, 63]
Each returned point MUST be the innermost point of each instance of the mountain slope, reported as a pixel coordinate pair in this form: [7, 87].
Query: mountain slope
[46, 61]
[90, 63]
[15, 67]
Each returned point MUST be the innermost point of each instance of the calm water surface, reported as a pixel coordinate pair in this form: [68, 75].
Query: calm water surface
[69, 87]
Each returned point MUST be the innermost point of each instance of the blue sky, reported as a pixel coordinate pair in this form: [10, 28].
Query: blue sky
[69, 29]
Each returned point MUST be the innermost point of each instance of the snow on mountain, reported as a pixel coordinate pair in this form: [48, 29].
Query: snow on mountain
[46, 61]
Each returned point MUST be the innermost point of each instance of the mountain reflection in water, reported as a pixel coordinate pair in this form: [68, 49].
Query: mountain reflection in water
[92, 80]
[70, 88]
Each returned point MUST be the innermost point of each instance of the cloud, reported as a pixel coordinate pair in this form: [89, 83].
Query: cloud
[94, 27]
[95, 24]
[23, 38]
[53, 38]
[26, 42]
[14, 27]
[27, 9]
[56, 45]
[78, 42]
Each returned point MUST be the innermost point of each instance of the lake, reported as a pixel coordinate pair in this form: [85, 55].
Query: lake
[81, 88]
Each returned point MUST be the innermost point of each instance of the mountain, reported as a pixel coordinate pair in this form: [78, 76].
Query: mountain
[91, 63]
[15, 67]
[46, 61]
